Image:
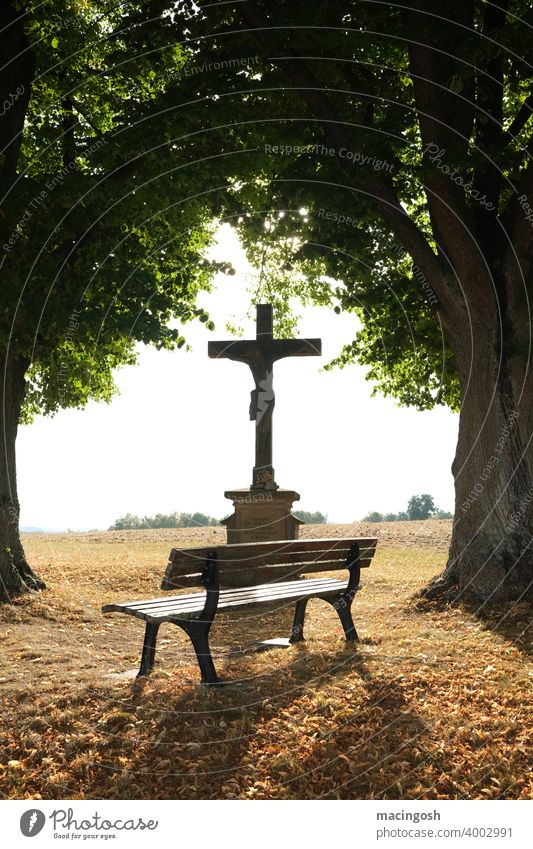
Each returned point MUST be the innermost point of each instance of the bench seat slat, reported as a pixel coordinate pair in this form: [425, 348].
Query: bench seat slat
[197, 599]
[324, 590]
[175, 606]
[227, 595]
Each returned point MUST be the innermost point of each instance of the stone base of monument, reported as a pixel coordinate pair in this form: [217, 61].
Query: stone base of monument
[261, 515]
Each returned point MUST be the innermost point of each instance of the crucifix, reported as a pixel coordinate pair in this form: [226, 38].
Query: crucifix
[259, 355]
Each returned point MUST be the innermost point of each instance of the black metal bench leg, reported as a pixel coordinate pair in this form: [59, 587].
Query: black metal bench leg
[345, 615]
[148, 655]
[297, 633]
[343, 607]
[200, 639]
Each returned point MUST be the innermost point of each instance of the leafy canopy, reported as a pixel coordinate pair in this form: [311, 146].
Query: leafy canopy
[147, 123]
[102, 231]
[329, 121]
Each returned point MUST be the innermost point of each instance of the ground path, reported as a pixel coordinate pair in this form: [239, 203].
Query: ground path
[435, 702]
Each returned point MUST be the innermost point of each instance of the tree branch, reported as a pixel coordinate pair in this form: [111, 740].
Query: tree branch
[16, 76]
[379, 189]
[489, 119]
[446, 122]
[520, 119]
[519, 218]
[68, 139]
[79, 109]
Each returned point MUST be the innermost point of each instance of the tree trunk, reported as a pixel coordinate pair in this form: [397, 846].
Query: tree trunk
[16, 575]
[491, 553]
[481, 274]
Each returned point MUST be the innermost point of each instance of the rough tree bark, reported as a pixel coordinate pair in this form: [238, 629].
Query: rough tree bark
[16, 75]
[491, 554]
[16, 575]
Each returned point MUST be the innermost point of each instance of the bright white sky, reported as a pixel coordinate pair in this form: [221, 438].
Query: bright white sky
[179, 434]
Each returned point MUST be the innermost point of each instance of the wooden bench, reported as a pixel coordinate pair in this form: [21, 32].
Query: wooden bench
[279, 566]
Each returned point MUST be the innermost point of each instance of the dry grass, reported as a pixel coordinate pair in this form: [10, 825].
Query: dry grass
[434, 703]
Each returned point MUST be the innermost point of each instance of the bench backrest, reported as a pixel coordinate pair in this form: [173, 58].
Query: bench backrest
[250, 563]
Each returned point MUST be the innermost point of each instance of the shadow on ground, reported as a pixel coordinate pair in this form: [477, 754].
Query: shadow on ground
[511, 620]
[266, 735]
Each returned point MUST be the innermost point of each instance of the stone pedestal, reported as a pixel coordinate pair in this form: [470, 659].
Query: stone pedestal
[261, 515]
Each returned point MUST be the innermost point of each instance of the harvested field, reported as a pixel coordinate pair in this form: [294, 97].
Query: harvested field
[433, 533]
[435, 702]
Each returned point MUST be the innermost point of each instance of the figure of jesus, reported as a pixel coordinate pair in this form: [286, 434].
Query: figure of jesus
[260, 355]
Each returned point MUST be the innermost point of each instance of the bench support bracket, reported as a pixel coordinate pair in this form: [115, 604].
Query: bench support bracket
[198, 633]
[196, 629]
[297, 633]
[148, 655]
[342, 606]
[342, 603]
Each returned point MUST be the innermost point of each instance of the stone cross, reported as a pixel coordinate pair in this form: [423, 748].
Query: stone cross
[260, 354]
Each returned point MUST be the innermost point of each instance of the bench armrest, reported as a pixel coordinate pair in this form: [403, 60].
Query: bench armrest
[353, 564]
[211, 581]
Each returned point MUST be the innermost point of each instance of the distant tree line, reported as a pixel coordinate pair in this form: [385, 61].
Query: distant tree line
[419, 507]
[317, 518]
[130, 522]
